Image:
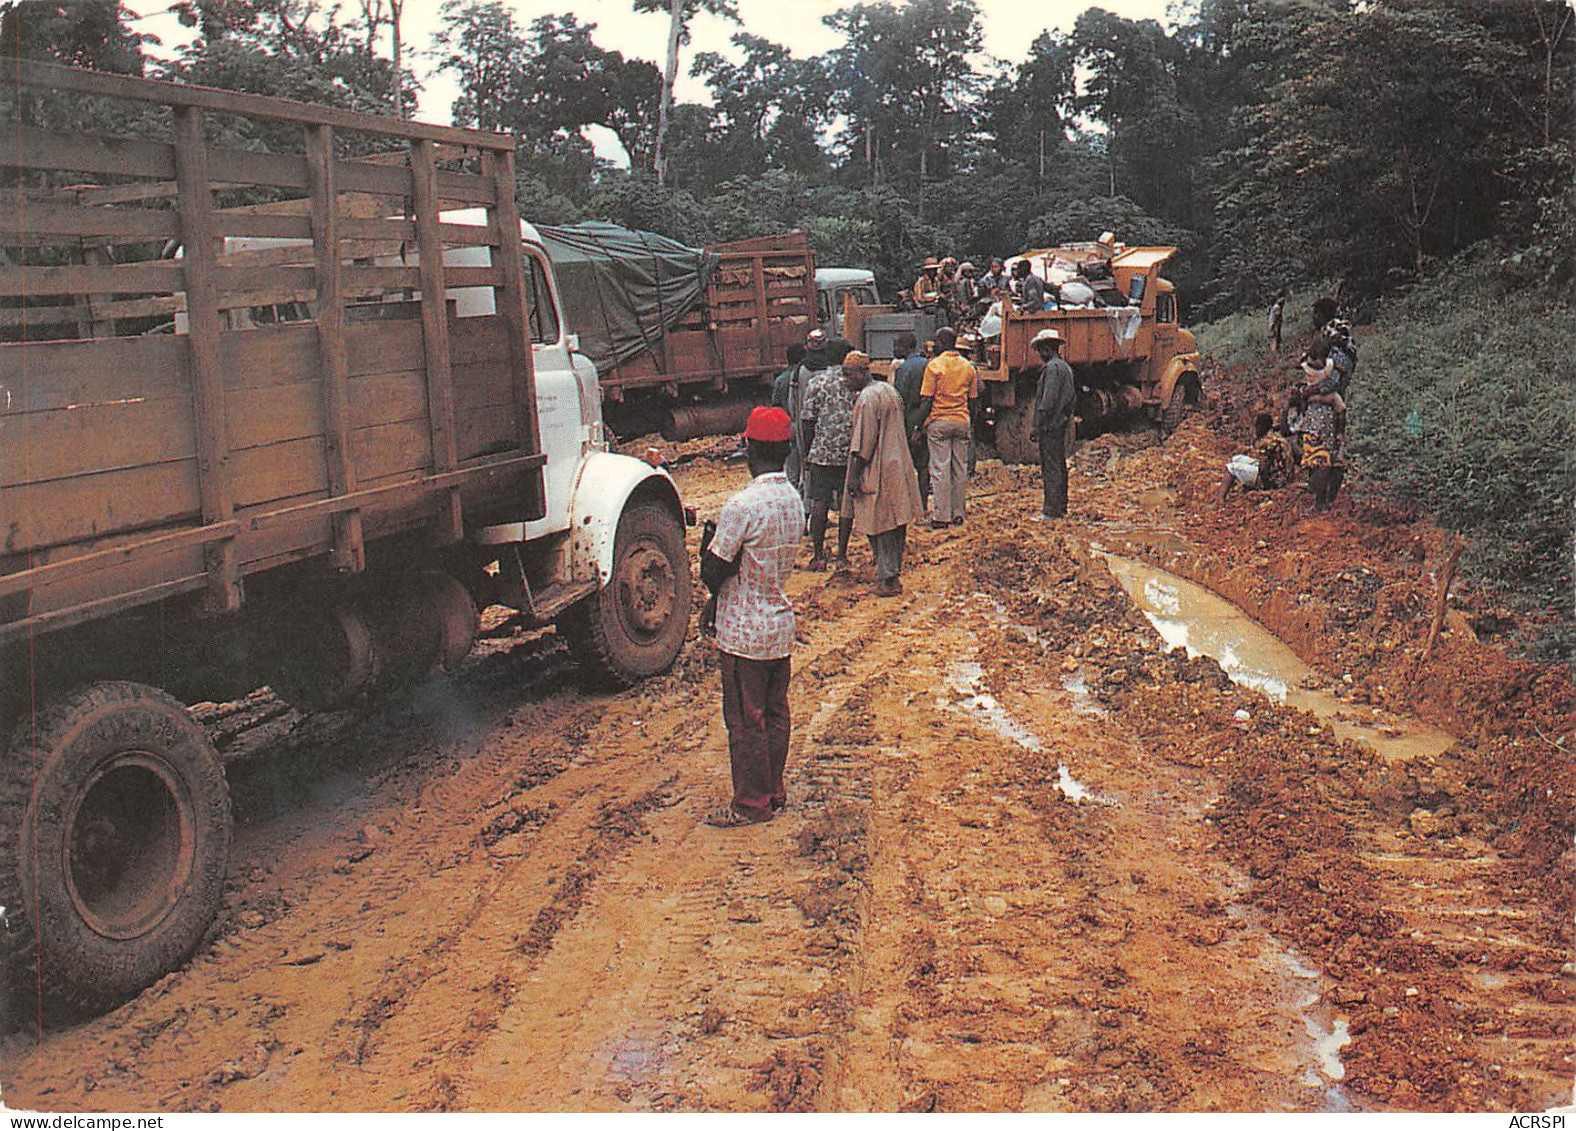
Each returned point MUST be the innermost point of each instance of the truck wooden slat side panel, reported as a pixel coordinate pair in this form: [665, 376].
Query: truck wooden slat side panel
[296, 442]
[759, 301]
[110, 436]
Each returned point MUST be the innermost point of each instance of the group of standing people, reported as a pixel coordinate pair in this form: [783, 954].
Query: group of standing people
[937, 395]
[835, 437]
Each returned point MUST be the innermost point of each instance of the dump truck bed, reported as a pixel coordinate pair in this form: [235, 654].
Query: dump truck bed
[149, 450]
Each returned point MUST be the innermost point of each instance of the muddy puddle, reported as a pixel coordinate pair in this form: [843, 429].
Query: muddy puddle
[1189, 616]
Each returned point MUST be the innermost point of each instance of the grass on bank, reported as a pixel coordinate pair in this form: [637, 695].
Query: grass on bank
[1464, 402]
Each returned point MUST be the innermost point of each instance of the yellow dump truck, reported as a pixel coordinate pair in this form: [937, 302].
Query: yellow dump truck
[1118, 318]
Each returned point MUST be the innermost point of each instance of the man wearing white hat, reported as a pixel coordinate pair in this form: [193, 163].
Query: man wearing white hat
[1054, 401]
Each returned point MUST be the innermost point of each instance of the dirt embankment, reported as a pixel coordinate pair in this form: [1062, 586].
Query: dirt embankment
[1032, 860]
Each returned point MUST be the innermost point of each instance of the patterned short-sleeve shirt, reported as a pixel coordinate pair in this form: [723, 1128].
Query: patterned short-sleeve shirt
[830, 403]
[759, 528]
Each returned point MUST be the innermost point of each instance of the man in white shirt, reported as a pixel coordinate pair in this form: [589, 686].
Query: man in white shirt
[744, 564]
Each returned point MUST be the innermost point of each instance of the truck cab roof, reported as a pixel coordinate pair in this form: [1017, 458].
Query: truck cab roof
[477, 218]
[842, 276]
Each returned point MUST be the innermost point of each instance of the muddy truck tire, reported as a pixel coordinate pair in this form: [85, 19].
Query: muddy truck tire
[118, 817]
[634, 626]
[1013, 427]
[1184, 397]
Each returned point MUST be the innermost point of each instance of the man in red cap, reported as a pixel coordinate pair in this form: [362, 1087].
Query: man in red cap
[744, 561]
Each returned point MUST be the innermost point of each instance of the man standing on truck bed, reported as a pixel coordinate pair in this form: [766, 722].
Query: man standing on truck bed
[1053, 414]
[950, 395]
[827, 419]
[745, 562]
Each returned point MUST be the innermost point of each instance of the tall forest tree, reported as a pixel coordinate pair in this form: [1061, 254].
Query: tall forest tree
[905, 81]
[680, 13]
[767, 108]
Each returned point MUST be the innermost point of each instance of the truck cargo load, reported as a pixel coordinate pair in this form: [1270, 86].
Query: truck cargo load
[686, 340]
[624, 289]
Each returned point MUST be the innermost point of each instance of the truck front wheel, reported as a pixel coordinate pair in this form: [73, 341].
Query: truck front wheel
[118, 817]
[634, 626]
[1184, 396]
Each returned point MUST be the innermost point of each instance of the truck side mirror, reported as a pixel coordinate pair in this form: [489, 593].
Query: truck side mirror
[573, 342]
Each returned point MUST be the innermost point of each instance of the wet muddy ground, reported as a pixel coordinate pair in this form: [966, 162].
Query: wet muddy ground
[1041, 852]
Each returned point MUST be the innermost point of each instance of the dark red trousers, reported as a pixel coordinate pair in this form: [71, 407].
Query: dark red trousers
[755, 710]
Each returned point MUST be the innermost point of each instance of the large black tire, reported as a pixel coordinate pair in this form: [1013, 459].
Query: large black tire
[634, 626]
[1184, 395]
[117, 822]
[1013, 426]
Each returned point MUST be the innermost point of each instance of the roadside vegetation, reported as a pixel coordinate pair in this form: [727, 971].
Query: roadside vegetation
[1464, 404]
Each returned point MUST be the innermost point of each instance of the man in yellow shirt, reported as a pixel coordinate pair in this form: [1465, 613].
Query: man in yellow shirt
[949, 396]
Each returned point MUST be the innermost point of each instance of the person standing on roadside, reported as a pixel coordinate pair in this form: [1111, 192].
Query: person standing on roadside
[1054, 401]
[1277, 312]
[826, 419]
[745, 560]
[882, 490]
[907, 379]
[949, 394]
[788, 395]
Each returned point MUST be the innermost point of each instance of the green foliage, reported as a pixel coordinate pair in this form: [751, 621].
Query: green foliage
[1466, 401]
[1087, 217]
[767, 109]
[1369, 142]
[644, 204]
[1132, 87]
[78, 33]
[904, 79]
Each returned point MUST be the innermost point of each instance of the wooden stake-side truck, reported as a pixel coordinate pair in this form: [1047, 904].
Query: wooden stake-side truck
[200, 495]
[1128, 353]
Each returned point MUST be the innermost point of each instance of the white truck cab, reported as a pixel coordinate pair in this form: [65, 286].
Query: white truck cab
[833, 285]
[609, 552]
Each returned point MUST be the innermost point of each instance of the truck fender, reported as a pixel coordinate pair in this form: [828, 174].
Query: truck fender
[607, 486]
[1180, 370]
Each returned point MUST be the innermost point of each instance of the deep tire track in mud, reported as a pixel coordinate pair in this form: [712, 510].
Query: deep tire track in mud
[1031, 861]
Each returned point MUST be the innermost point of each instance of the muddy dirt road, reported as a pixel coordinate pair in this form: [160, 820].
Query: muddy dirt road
[1032, 860]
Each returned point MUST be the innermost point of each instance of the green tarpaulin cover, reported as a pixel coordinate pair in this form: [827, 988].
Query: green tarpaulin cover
[622, 288]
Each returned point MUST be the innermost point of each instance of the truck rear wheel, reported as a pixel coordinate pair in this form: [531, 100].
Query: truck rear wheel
[634, 626]
[118, 816]
[1013, 426]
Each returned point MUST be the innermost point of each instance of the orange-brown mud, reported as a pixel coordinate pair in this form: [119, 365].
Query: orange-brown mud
[1032, 860]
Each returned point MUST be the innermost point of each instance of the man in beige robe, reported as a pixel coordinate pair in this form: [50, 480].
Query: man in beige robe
[881, 480]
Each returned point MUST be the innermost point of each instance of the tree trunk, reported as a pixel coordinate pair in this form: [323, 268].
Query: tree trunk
[669, 76]
[396, 10]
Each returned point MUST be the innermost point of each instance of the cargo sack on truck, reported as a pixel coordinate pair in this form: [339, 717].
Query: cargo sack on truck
[623, 289]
